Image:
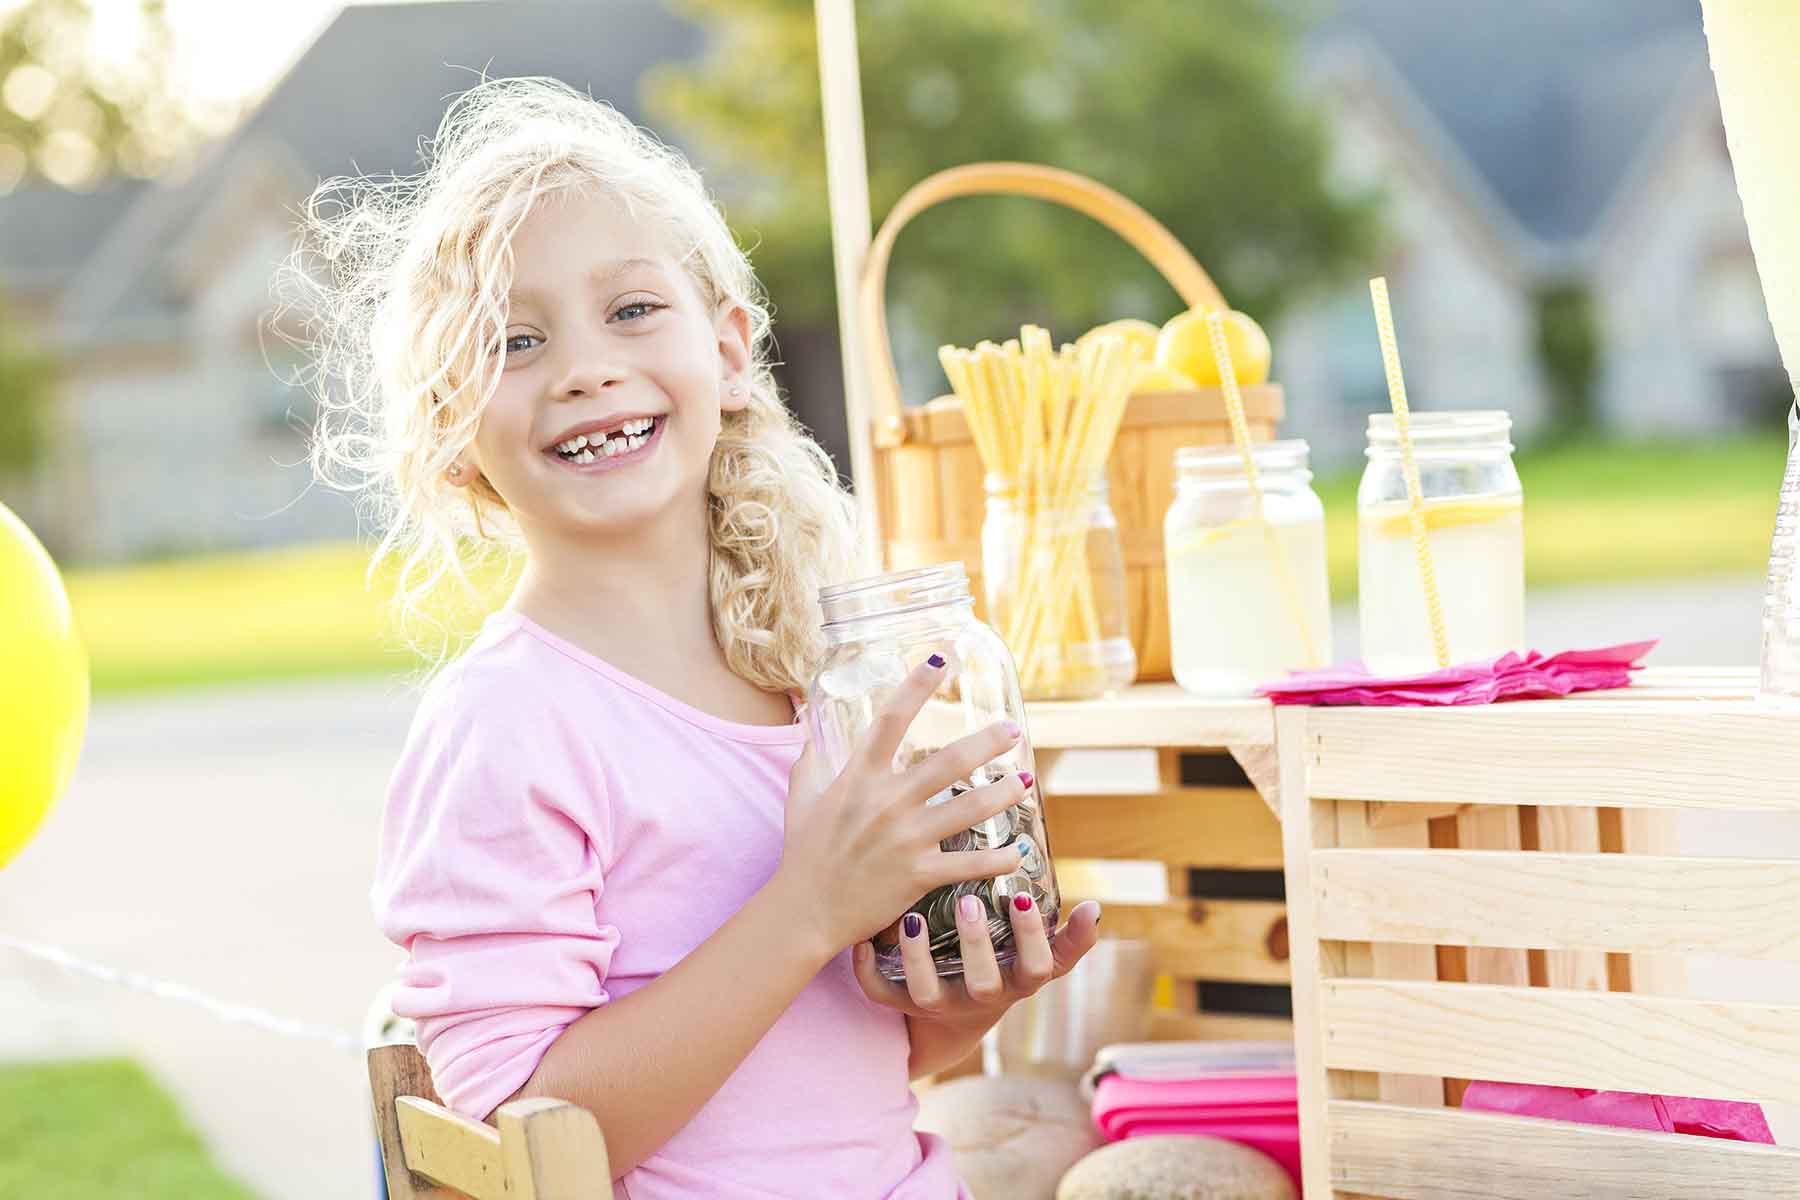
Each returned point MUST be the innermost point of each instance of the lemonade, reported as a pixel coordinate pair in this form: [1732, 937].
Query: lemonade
[1235, 612]
[1478, 555]
[1230, 627]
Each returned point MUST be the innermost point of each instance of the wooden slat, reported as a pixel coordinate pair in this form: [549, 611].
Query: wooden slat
[1238, 941]
[1192, 827]
[1681, 754]
[1306, 825]
[1566, 830]
[1492, 828]
[1611, 1040]
[1175, 1025]
[1746, 908]
[452, 1149]
[1424, 1154]
[1151, 714]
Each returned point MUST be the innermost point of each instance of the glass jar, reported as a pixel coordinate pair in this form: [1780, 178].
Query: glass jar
[1474, 521]
[877, 630]
[1239, 614]
[1053, 577]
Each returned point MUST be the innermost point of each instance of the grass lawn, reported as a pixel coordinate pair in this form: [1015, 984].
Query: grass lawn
[1594, 512]
[99, 1129]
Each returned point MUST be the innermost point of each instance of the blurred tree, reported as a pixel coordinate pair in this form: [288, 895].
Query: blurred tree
[80, 100]
[27, 380]
[1568, 350]
[1186, 106]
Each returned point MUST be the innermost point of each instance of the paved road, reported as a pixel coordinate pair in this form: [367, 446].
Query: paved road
[225, 840]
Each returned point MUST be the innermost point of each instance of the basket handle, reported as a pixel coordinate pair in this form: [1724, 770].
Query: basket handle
[1144, 232]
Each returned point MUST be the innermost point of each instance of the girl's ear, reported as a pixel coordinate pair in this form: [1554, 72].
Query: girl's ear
[734, 358]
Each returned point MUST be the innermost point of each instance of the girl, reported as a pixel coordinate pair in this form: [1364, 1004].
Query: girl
[615, 873]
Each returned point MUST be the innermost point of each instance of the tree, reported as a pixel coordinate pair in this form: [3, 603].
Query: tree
[27, 383]
[80, 100]
[1186, 106]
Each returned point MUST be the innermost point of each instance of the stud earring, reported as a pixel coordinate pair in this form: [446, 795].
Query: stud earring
[455, 471]
[737, 391]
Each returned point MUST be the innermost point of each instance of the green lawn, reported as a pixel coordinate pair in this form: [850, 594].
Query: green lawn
[99, 1129]
[1593, 512]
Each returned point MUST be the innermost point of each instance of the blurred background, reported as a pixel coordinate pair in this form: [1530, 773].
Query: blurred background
[1545, 185]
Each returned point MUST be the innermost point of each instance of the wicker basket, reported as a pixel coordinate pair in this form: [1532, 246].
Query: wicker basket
[928, 476]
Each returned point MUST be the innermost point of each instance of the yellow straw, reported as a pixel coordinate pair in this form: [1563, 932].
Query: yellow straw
[1409, 467]
[1240, 433]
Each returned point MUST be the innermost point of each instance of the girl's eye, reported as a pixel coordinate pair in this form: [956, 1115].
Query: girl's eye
[637, 310]
[513, 345]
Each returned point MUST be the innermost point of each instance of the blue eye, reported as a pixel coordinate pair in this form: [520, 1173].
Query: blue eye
[641, 309]
[512, 348]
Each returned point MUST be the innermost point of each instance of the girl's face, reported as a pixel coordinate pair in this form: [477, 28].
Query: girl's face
[616, 370]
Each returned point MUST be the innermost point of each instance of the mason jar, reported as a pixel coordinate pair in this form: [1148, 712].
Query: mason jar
[1248, 593]
[1053, 577]
[876, 631]
[1474, 525]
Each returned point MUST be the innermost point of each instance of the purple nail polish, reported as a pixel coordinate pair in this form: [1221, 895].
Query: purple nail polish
[1026, 778]
[913, 925]
[1012, 730]
[936, 662]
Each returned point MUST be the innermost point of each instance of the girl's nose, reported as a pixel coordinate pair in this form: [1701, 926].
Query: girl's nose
[587, 377]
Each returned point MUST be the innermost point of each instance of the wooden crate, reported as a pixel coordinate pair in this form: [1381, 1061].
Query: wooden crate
[1418, 961]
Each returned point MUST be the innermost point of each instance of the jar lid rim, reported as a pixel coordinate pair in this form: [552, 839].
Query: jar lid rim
[1286, 452]
[949, 572]
[1429, 426]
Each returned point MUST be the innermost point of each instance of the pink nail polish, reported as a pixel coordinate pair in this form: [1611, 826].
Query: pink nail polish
[1026, 778]
[1022, 902]
[1012, 730]
[970, 908]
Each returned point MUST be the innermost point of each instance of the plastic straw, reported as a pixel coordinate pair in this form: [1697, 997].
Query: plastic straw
[1240, 433]
[1409, 467]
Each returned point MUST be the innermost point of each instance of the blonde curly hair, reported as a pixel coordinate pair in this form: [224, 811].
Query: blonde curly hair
[400, 284]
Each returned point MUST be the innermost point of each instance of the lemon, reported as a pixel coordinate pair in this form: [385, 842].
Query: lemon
[1141, 334]
[1391, 520]
[1186, 345]
[1154, 377]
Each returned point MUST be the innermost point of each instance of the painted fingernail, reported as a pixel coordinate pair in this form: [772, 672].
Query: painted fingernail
[970, 908]
[913, 925]
[1012, 730]
[936, 662]
[1027, 778]
[1022, 902]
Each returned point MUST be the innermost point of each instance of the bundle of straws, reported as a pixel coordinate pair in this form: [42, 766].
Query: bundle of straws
[1045, 421]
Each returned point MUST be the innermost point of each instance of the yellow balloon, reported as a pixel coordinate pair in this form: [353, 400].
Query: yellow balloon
[43, 685]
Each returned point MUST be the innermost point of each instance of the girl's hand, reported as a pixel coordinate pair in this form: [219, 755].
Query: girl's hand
[863, 847]
[985, 991]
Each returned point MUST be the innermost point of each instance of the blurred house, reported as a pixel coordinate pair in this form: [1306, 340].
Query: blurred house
[176, 430]
[1521, 144]
[1525, 144]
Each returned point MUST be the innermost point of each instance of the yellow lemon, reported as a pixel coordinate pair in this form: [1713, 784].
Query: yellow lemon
[1186, 345]
[1391, 520]
[1154, 377]
[1141, 334]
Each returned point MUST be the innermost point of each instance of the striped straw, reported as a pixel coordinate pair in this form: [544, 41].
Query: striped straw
[1409, 467]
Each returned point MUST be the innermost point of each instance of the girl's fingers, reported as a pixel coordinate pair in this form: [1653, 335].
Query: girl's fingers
[1035, 964]
[922, 982]
[981, 970]
[964, 866]
[975, 806]
[1077, 937]
[883, 739]
[960, 758]
[875, 985]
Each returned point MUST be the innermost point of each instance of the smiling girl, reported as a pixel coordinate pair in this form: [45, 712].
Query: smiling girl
[617, 877]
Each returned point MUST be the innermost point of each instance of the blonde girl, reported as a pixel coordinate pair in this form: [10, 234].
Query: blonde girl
[603, 849]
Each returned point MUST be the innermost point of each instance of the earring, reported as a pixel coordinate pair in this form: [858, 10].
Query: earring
[736, 391]
[455, 471]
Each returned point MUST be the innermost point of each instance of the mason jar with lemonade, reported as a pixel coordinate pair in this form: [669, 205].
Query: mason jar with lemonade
[1474, 525]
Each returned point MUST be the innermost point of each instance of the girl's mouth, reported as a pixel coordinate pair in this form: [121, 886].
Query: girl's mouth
[603, 451]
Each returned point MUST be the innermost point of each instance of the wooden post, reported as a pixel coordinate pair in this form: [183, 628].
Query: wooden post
[847, 184]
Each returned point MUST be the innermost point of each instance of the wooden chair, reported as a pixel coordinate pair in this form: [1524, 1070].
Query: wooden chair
[542, 1150]
[1378, 1025]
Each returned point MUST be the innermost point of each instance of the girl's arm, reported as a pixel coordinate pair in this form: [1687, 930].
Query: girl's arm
[938, 1045]
[645, 1063]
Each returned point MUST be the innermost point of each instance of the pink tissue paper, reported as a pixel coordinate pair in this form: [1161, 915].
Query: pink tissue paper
[1729, 1119]
[1511, 676]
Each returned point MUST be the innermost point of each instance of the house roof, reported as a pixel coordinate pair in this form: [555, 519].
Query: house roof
[1552, 102]
[359, 101]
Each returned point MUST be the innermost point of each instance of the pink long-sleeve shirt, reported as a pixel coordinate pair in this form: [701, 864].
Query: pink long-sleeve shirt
[558, 834]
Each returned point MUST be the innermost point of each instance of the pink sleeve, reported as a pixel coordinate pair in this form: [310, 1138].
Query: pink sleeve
[492, 845]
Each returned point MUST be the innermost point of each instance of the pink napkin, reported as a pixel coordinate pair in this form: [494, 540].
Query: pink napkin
[1729, 1119]
[1256, 1110]
[1509, 677]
